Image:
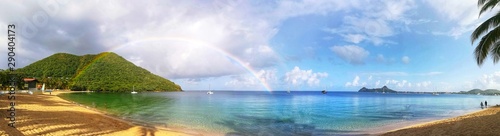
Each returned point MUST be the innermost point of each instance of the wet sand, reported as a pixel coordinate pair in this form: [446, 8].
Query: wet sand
[45, 114]
[484, 122]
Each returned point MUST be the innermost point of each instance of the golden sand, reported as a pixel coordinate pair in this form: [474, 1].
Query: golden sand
[50, 115]
[484, 122]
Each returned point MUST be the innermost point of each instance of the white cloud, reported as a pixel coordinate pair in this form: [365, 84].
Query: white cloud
[463, 13]
[402, 83]
[380, 58]
[354, 38]
[405, 59]
[377, 83]
[374, 23]
[488, 81]
[354, 83]
[405, 85]
[298, 77]
[351, 53]
[249, 81]
[370, 77]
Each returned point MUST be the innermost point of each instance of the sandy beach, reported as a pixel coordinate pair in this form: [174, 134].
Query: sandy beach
[484, 122]
[51, 115]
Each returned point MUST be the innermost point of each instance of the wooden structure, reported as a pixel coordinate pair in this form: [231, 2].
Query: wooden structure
[32, 82]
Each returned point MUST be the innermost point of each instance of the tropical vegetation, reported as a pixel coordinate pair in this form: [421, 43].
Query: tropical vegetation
[489, 32]
[104, 72]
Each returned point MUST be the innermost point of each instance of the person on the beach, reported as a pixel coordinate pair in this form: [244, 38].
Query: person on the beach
[481, 104]
[486, 103]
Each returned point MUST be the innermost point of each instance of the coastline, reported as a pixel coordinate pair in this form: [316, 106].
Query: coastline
[45, 114]
[482, 122]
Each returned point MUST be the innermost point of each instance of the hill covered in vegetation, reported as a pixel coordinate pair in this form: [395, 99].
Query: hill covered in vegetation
[482, 92]
[107, 72]
[383, 89]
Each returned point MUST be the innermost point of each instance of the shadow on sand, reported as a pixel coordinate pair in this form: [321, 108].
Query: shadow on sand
[65, 122]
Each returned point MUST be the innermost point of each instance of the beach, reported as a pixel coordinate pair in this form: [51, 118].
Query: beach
[484, 122]
[45, 114]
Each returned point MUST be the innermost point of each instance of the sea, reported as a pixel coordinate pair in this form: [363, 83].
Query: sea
[280, 112]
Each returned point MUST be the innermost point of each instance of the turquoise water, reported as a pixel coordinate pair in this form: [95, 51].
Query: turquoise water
[280, 113]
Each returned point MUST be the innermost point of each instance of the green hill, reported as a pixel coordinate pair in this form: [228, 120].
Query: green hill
[383, 89]
[483, 92]
[106, 72]
[57, 65]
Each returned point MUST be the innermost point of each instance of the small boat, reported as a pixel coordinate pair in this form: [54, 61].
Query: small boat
[288, 91]
[133, 90]
[435, 94]
[324, 92]
[209, 91]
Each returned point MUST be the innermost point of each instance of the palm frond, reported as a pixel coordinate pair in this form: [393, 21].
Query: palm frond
[481, 2]
[483, 48]
[495, 52]
[487, 5]
[492, 22]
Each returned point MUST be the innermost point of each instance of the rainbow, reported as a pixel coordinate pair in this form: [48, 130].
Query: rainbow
[232, 57]
[84, 68]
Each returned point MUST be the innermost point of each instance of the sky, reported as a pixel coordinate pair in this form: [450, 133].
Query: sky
[338, 45]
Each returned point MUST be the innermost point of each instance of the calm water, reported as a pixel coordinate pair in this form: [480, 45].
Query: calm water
[280, 113]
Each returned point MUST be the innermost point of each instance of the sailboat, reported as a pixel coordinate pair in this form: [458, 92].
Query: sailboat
[288, 91]
[133, 90]
[435, 93]
[43, 87]
[209, 91]
[324, 91]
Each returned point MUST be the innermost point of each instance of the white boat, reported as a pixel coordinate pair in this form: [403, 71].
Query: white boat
[43, 87]
[288, 91]
[133, 90]
[209, 91]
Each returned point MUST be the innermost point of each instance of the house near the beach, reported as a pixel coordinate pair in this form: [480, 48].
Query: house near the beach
[30, 83]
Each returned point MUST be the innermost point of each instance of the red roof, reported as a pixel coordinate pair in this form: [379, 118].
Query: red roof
[29, 79]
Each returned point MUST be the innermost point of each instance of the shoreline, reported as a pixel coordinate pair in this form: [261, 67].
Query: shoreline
[399, 125]
[172, 128]
[482, 122]
[44, 114]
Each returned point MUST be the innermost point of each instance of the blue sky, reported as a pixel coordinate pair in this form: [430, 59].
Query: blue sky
[261, 45]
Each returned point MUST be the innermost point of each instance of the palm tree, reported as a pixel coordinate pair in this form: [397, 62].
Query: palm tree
[490, 32]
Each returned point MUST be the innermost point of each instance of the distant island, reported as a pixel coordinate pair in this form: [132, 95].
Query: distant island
[384, 89]
[103, 72]
[481, 92]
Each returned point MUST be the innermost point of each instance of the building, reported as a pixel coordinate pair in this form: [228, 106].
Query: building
[30, 83]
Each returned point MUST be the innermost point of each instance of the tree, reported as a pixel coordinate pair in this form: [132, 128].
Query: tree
[490, 32]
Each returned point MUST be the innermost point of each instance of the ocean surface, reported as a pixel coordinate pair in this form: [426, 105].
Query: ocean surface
[280, 113]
